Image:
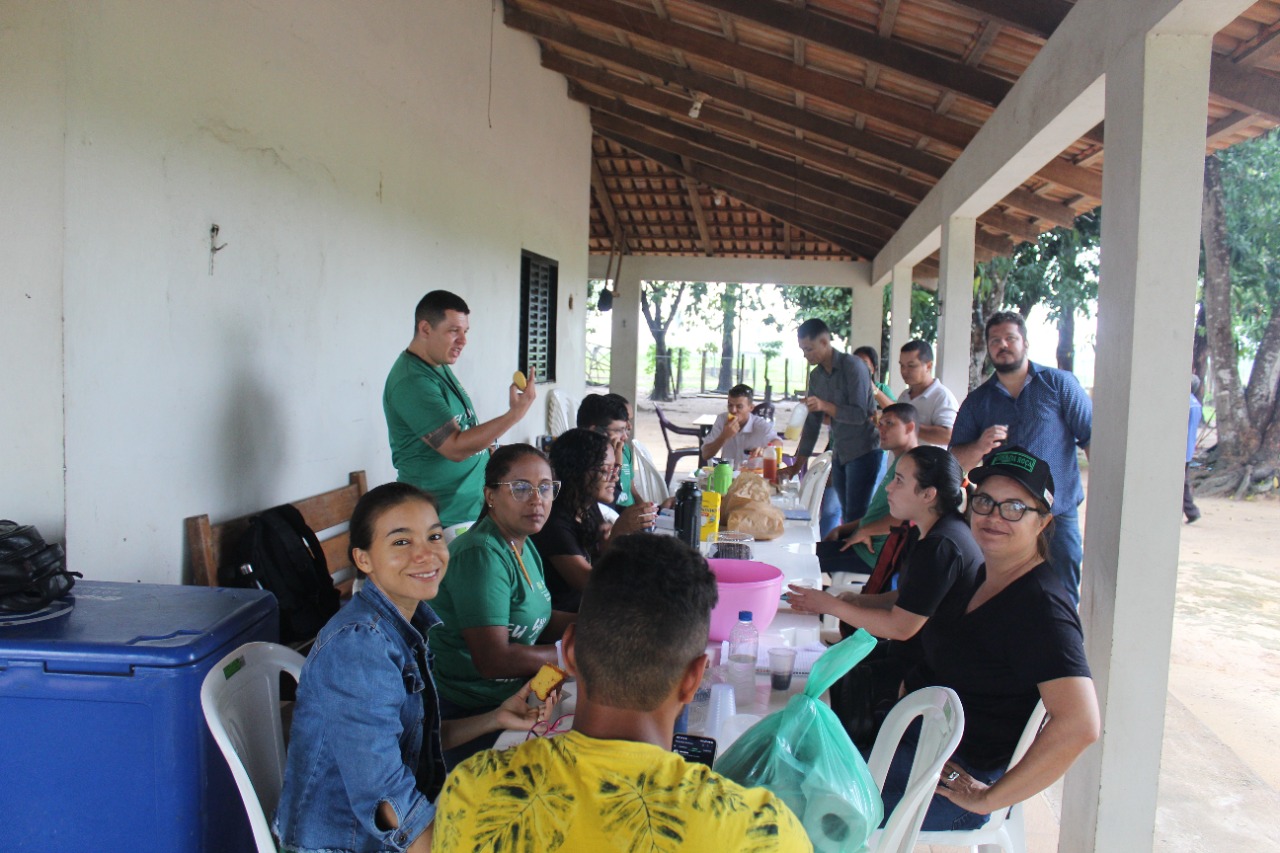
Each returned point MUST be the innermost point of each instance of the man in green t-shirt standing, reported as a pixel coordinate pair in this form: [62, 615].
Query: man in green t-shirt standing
[437, 441]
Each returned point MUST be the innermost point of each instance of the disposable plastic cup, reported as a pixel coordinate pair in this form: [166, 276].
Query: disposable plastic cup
[723, 706]
[782, 663]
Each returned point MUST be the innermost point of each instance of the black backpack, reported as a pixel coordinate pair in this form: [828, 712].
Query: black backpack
[281, 554]
[33, 573]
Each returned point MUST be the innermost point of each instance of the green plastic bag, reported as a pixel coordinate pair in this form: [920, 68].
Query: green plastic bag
[803, 754]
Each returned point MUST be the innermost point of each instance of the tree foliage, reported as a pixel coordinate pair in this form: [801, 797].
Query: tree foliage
[661, 303]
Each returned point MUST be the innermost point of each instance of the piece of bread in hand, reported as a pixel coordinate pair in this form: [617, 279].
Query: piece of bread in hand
[548, 679]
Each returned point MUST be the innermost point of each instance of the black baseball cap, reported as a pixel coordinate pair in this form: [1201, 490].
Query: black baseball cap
[1022, 466]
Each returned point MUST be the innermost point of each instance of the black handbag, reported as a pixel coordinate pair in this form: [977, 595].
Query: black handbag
[33, 573]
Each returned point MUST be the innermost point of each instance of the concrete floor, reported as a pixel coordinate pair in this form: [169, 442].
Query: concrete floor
[1220, 772]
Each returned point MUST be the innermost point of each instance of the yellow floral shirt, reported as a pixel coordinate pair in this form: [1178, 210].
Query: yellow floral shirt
[573, 792]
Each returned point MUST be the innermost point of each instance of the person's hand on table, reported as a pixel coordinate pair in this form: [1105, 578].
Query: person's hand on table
[804, 599]
[859, 537]
[517, 713]
[637, 517]
[786, 472]
[962, 789]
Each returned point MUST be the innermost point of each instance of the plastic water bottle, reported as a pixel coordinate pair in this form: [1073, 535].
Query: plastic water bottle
[744, 648]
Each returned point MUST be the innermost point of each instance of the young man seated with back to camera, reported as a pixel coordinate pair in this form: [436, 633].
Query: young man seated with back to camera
[638, 650]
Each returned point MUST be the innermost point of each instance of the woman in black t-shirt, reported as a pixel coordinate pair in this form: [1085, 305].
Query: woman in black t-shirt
[1016, 640]
[574, 535]
[939, 566]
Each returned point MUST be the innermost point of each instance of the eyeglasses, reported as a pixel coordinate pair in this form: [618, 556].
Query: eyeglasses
[559, 726]
[618, 432]
[522, 490]
[1010, 510]
[608, 470]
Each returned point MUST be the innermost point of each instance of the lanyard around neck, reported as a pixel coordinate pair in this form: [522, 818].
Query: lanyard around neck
[523, 570]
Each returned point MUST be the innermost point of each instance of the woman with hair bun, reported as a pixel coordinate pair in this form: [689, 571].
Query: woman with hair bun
[941, 559]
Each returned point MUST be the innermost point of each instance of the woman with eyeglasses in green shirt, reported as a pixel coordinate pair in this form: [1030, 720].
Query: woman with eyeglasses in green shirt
[499, 628]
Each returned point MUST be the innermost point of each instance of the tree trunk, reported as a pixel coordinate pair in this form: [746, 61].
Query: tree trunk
[1067, 339]
[983, 307]
[1235, 442]
[658, 325]
[729, 315]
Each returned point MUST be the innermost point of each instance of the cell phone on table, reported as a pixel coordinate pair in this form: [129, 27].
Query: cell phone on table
[701, 750]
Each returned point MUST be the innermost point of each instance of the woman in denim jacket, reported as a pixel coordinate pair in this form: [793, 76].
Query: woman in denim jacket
[365, 758]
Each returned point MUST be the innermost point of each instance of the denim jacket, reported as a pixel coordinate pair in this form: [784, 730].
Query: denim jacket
[357, 734]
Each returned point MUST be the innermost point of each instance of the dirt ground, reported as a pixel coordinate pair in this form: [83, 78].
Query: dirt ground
[1220, 771]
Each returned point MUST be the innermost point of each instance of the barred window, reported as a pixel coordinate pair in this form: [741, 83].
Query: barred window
[539, 279]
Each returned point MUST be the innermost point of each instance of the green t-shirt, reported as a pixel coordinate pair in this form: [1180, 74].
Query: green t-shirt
[886, 390]
[625, 475]
[483, 587]
[417, 400]
[876, 510]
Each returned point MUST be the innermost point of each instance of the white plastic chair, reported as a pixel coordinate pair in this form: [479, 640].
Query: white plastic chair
[941, 726]
[813, 485]
[646, 478]
[562, 412]
[241, 701]
[1005, 831]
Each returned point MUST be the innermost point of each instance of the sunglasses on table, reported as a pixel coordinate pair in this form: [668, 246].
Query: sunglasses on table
[522, 490]
[1010, 510]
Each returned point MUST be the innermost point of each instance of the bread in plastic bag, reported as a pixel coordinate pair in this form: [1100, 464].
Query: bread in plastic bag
[761, 521]
[803, 755]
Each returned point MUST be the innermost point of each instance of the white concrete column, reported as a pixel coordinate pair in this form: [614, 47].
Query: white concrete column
[900, 332]
[624, 343]
[867, 318]
[1156, 91]
[955, 303]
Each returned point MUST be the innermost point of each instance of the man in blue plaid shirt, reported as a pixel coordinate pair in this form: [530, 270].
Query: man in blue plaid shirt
[1042, 409]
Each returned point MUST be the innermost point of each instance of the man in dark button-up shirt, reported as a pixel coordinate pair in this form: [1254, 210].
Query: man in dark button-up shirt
[840, 389]
[1042, 409]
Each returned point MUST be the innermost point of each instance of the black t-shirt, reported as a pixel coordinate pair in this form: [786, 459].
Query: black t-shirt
[939, 571]
[995, 657]
[562, 535]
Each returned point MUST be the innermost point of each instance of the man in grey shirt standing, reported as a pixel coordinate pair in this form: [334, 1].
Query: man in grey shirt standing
[840, 389]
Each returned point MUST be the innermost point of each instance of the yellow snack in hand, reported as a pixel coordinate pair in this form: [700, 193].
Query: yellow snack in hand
[519, 380]
[549, 677]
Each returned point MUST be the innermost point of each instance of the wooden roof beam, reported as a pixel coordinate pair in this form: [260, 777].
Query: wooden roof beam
[1229, 124]
[695, 204]
[603, 199]
[879, 206]
[800, 211]
[863, 171]
[922, 65]
[776, 69]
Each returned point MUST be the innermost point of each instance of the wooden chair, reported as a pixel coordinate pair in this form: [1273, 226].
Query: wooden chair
[212, 545]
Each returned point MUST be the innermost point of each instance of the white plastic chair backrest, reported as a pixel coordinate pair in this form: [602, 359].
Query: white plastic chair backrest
[1024, 743]
[649, 482]
[814, 484]
[1004, 829]
[562, 413]
[941, 726]
[241, 701]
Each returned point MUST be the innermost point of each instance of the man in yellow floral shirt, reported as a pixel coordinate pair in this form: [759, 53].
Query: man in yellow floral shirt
[612, 783]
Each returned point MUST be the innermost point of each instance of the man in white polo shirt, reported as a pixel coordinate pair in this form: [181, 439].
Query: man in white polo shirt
[936, 406]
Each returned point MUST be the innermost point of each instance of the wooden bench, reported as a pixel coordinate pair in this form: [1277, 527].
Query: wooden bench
[213, 545]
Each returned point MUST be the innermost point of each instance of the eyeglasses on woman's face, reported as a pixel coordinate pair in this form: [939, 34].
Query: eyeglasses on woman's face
[608, 470]
[522, 490]
[1010, 510]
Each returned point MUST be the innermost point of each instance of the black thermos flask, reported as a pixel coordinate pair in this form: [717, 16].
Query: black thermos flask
[689, 513]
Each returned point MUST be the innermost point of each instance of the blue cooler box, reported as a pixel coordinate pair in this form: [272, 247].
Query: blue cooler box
[102, 737]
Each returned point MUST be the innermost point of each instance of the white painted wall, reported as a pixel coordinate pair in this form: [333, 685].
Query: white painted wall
[353, 159]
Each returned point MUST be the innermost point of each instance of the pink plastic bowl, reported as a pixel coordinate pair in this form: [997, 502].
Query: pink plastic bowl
[744, 585]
